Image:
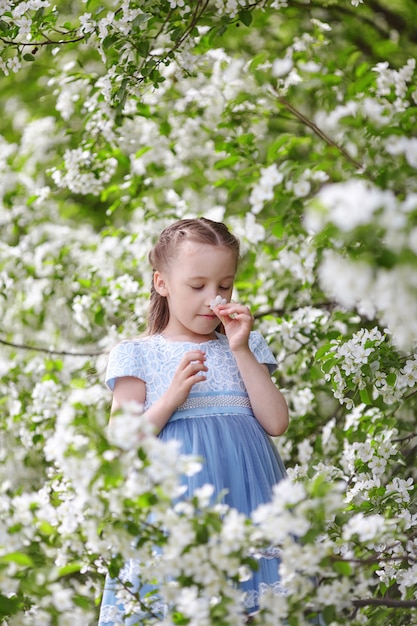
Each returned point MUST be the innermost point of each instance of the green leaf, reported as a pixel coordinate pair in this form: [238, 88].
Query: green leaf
[20, 558]
[329, 613]
[278, 229]
[108, 42]
[140, 19]
[143, 47]
[259, 59]
[9, 606]
[327, 365]
[176, 33]
[28, 57]
[4, 26]
[342, 568]
[245, 17]
[322, 351]
[46, 529]
[227, 162]
[364, 396]
[71, 568]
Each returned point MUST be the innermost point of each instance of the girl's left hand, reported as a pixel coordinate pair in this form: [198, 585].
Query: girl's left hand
[237, 321]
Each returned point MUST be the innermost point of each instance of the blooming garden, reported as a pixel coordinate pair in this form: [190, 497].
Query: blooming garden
[295, 123]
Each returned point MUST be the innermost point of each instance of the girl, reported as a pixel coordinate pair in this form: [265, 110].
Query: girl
[211, 390]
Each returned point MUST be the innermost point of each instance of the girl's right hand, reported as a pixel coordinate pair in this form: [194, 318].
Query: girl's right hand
[189, 372]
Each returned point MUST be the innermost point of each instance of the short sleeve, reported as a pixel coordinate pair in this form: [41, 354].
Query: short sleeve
[124, 360]
[262, 351]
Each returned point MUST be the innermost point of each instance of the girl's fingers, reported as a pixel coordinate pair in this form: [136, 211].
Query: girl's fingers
[234, 310]
[193, 363]
[193, 355]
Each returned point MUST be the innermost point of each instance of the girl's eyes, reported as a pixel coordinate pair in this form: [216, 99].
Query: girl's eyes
[197, 288]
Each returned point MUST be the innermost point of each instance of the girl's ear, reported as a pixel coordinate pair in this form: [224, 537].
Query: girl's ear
[159, 284]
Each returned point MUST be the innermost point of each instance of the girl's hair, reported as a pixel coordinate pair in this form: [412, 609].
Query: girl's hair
[199, 230]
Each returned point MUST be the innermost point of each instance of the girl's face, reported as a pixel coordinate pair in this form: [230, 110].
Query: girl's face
[197, 274]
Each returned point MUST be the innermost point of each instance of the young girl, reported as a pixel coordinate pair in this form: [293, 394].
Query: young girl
[210, 390]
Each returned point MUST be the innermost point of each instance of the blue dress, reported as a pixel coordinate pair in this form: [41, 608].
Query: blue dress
[216, 423]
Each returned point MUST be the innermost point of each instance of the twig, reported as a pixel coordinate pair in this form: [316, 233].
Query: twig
[37, 44]
[320, 133]
[22, 346]
[398, 604]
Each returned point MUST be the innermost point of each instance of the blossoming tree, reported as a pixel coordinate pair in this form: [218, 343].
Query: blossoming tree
[294, 122]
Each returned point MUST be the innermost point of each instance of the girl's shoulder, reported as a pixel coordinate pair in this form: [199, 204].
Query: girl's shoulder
[134, 343]
[130, 357]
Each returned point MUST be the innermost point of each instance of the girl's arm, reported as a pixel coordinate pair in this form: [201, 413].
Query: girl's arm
[127, 389]
[268, 403]
[130, 389]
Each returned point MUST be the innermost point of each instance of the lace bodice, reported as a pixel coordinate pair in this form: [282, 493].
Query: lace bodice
[154, 359]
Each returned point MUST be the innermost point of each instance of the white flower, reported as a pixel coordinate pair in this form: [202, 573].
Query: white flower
[124, 428]
[350, 204]
[301, 188]
[87, 25]
[402, 145]
[264, 189]
[366, 527]
[204, 494]
[400, 488]
[13, 64]
[281, 67]
[24, 24]
[305, 450]
[216, 301]
[254, 232]
[289, 492]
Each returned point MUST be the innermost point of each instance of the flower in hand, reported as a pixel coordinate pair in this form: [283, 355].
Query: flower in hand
[216, 301]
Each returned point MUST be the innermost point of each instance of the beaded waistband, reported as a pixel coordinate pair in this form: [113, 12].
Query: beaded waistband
[198, 405]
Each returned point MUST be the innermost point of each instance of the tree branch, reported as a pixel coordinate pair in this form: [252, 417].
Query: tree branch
[388, 602]
[22, 346]
[320, 133]
[37, 44]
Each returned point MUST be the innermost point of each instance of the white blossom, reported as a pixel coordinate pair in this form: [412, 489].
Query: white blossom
[367, 527]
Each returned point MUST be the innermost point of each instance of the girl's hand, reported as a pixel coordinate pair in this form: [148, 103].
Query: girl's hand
[189, 372]
[237, 321]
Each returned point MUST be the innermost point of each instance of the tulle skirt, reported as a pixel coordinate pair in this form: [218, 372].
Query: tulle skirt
[242, 462]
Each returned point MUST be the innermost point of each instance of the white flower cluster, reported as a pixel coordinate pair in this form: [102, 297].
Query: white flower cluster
[296, 331]
[231, 7]
[403, 145]
[354, 364]
[121, 292]
[375, 291]
[298, 256]
[263, 190]
[348, 205]
[84, 172]
[396, 81]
